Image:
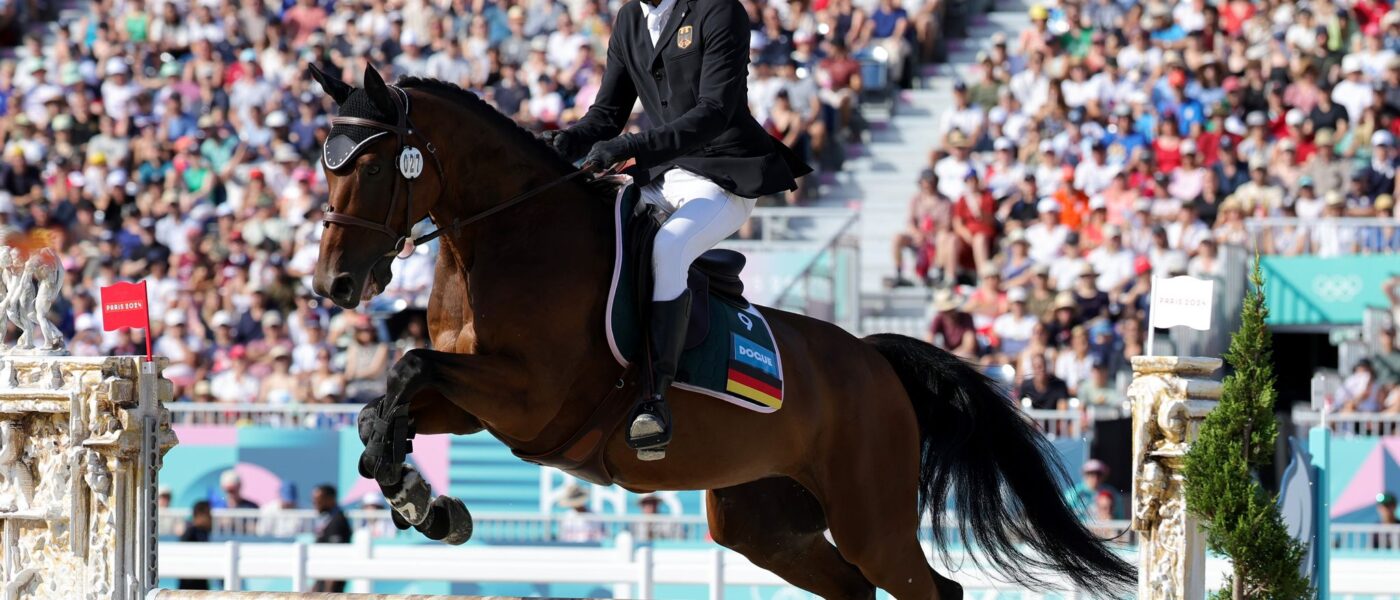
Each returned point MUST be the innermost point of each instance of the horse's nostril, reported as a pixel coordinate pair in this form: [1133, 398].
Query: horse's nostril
[342, 287]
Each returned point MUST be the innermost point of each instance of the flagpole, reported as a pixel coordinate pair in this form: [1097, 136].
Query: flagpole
[146, 302]
[1151, 317]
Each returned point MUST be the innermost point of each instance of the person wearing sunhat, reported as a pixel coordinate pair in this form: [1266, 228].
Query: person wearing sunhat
[952, 169]
[576, 525]
[952, 328]
[1013, 329]
[1092, 301]
[1046, 235]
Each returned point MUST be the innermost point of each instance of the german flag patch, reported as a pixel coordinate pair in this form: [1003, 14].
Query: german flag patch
[753, 373]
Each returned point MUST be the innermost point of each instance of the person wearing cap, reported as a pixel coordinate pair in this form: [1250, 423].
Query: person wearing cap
[1327, 172]
[1013, 329]
[273, 520]
[1094, 173]
[1006, 171]
[952, 328]
[280, 386]
[963, 115]
[1379, 173]
[1352, 92]
[1385, 515]
[1092, 485]
[687, 62]
[236, 384]
[1307, 205]
[1047, 236]
[1360, 392]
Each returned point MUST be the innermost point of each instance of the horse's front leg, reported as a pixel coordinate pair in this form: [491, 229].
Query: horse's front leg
[387, 428]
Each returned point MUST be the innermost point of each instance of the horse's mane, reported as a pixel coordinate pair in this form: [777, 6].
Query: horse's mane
[469, 100]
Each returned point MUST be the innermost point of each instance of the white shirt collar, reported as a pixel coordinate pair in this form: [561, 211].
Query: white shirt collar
[660, 9]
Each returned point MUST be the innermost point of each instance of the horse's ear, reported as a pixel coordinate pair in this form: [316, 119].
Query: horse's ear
[378, 92]
[338, 90]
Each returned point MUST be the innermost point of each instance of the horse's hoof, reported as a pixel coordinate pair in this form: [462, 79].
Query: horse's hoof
[651, 454]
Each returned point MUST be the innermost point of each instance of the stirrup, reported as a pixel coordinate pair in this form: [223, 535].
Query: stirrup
[650, 429]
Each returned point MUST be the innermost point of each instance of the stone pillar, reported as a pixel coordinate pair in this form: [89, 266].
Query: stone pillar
[1171, 396]
[81, 441]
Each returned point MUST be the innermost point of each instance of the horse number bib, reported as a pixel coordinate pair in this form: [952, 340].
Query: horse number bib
[411, 162]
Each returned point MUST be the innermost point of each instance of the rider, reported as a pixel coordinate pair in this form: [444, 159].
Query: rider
[703, 162]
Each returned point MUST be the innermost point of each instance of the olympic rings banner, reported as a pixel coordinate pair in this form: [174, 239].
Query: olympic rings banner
[1309, 290]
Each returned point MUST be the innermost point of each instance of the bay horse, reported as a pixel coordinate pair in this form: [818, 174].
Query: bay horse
[874, 432]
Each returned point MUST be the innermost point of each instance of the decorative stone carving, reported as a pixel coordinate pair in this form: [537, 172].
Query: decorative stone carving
[28, 290]
[81, 440]
[1170, 397]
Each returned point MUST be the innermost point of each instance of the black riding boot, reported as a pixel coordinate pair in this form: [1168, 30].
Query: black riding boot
[650, 428]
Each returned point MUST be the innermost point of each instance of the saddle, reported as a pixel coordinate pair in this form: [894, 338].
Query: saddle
[715, 272]
[730, 353]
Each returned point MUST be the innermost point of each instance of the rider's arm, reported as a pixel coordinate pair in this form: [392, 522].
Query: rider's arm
[722, 90]
[613, 105]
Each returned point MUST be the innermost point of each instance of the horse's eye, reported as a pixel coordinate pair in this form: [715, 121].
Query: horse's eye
[373, 169]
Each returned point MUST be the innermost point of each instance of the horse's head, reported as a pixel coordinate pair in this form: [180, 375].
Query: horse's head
[383, 177]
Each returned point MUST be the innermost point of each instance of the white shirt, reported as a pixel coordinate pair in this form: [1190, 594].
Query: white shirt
[1355, 96]
[656, 17]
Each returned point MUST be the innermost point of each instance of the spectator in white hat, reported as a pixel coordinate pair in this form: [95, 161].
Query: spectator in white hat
[1015, 327]
[1046, 236]
[1352, 92]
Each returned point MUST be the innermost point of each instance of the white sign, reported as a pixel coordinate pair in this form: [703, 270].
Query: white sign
[1183, 301]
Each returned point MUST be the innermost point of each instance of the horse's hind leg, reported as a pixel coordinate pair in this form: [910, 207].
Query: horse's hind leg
[779, 526]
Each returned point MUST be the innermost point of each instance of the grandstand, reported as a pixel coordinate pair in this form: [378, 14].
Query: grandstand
[1007, 191]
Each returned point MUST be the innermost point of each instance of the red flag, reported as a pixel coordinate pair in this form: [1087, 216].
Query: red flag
[124, 305]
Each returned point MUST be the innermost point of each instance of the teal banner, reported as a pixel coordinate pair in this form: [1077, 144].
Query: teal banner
[1308, 290]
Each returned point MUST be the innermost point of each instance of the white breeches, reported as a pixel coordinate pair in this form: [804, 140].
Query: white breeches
[702, 214]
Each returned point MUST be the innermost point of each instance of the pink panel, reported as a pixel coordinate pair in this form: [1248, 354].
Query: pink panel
[206, 435]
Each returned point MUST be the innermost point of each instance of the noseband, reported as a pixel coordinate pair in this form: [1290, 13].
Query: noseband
[410, 166]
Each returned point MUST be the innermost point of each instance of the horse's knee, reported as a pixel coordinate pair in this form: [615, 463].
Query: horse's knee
[407, 371]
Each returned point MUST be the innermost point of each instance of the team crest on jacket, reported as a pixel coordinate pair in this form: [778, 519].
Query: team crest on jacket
[683, 37]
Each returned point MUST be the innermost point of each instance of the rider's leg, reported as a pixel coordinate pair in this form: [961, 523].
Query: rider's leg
[704, 215]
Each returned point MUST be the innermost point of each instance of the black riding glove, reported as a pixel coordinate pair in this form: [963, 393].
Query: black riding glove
[562, 142]
[611, 152]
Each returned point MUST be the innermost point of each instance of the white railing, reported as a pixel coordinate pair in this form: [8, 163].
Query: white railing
[633, 570]
[519, 528]
[296, 416]
[1350, 424]
[1365, 536]
[1325, 236]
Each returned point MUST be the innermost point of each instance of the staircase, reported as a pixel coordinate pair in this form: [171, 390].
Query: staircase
[882, 174]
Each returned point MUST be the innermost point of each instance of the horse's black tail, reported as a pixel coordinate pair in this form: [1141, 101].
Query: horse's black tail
[980, 450]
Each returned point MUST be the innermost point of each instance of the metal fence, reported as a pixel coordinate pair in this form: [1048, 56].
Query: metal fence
[1325, 237]
[828, 286]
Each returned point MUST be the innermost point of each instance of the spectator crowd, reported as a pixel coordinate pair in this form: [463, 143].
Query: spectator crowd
[1115, 140]
[177, 141]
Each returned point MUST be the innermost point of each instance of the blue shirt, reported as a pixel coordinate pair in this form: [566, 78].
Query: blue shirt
[885, 22]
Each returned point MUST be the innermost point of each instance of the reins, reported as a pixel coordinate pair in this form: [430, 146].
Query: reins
[410, 166]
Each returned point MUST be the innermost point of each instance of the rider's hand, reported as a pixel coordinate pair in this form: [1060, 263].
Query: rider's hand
[560, 141]
[611, 152]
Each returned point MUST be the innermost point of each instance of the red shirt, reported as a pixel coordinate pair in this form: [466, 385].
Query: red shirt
[841, 71]
[978, 216]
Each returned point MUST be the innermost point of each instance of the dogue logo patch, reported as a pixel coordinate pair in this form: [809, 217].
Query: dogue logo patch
[683, 37]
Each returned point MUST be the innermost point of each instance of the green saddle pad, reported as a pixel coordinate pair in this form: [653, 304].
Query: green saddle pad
[736, 361]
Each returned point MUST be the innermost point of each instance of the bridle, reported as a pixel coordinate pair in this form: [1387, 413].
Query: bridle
[410, 167]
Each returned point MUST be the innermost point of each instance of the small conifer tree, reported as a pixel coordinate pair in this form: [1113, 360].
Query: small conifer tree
[1241, 519]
